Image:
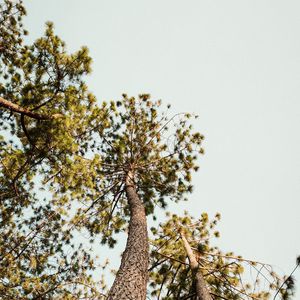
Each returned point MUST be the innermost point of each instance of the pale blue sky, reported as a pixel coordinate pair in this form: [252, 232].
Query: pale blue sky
[237, 65]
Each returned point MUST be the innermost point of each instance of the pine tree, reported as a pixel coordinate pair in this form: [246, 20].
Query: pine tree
[142, 162]
[185, 265]
[103, 169]
[82, 153]
[46, 111]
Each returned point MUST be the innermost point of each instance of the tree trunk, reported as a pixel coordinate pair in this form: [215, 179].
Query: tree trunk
[201, 286]
[131, 279]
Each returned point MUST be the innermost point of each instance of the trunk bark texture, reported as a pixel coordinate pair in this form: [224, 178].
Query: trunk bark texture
[132, 277]
[18, 109]
[201, 286]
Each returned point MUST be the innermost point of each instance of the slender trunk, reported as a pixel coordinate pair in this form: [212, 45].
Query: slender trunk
[201, 286]
[18, 109]
[131, 279]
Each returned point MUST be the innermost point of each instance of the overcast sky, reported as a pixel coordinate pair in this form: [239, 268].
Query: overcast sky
[237, 65]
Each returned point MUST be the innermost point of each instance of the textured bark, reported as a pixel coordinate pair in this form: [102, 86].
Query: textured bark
[131, 279]
[201, 286]
[18, 109]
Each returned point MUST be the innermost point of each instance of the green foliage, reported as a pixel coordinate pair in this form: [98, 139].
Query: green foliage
[11, 32]
[160, 151]
[66, 172]
[225, 274]
[38, 256]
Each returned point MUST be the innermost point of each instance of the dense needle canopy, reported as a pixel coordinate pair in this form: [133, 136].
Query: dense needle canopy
[160, 151]
[45, 110]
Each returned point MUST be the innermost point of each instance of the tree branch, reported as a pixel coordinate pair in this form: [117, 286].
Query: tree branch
[18, 109]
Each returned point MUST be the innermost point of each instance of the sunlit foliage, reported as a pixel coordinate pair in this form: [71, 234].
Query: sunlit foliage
[227, 276]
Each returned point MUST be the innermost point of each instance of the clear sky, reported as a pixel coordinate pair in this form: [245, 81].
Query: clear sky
[235, 63]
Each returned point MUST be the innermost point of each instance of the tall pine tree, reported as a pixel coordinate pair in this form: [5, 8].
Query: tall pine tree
[102, 168]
